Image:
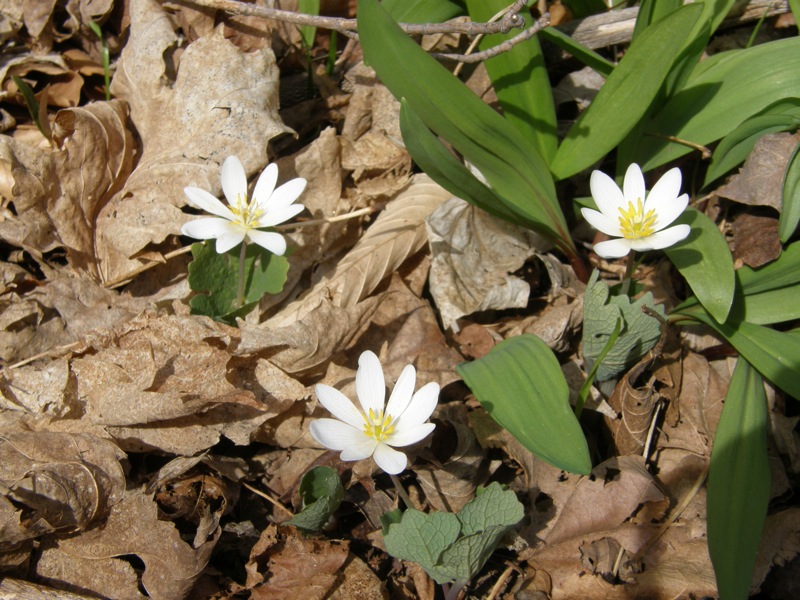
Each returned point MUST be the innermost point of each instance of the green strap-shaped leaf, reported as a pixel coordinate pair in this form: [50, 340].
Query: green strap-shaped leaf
[738, 483]
[423, 11]
[586, 55]
[520, 384]
[626, 95]
[704, 259]
[510, 162]
[520, 80]
[721, 93]
[790, 209]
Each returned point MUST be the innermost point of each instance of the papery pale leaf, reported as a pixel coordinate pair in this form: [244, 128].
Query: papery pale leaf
[520, 384]
[738, 482]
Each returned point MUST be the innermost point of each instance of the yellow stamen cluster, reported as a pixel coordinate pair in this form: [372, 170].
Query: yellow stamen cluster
[244, 211]
[634, 223]
[378, 425]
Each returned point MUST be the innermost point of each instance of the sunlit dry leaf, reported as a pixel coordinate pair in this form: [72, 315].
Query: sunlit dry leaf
[760, 182]
[359, 581]
[191, 111]
[91, 561]
[473, 254]
[278, 566]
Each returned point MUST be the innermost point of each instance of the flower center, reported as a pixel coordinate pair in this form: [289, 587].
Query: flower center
[634, 223]
[378, 425]
[244, 212]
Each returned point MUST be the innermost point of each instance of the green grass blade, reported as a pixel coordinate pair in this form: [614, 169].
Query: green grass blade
[626, 95]
[586, 55]
[738, 483]
[520, 80]
[423, 11]
[520, 384]
[510, 162]
[308, 32]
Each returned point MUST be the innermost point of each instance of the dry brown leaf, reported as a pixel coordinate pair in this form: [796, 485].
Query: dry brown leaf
[279, 565]
[60, 482]
[760, 182]
[191, 110]
[756, 239]
[91, 562]
[472, 256]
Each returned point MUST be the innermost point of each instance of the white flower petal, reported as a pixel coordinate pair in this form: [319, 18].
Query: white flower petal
[370, 385]
[633, 186]
[668, 212]
[410, 436]
[205, 228]
[665, 190]
[265, 185]
[274, 242]
[606, 193]
[230, 238]
[203, 200]
[403, 392]
[390, 460]
[339, 405]
[359, 450]
[336, 435]
[280, 215]
[615, 248]
[601, 222]
[234, 179]
[420, 408]
[663, 239]
[286, 194]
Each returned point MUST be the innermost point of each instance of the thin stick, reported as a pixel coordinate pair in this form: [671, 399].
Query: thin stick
[401, 491]
[30, 359]
[240, 284]
[268, 498]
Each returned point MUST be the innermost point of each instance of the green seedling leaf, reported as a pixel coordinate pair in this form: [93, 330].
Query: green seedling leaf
[321, 491]
[790, 209]
[37, 112]
[626, 95]
[215, 277]
[721, 93]
[520, 80]
[453, 547]
[737, 145]
[106, 59]
[423, 11]
[509, 160]
[652, 11]
[738, 483]
[705, 261]
[587, 56]
[601, 315]
[520, 384]
[308, 32]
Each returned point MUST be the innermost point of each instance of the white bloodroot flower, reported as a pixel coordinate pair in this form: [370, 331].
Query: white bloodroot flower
[637, 221]
[242, 218]
[373, 430]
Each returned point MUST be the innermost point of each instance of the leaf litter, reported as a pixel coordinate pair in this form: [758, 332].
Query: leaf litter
[139, 442]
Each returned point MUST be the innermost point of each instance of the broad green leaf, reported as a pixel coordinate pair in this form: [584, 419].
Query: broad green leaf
[774, 354]
[423, 11]
[587, 56]
[794, 5]
[790, 209]
[722, 92]
[782, 272]
[308, 32]
[584, 8]
[321, 491]
[509, 160]
[601, 316]
[216, 276]
[520, 80]
[444, 168]
[453, 547]
[738, 483]
[652, 11]
[626, 95]
[705, 261]
[520, 384]
[737, 145]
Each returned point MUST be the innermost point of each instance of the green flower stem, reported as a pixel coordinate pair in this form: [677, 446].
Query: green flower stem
[629, 268]
[240, 290]
[401, 492]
